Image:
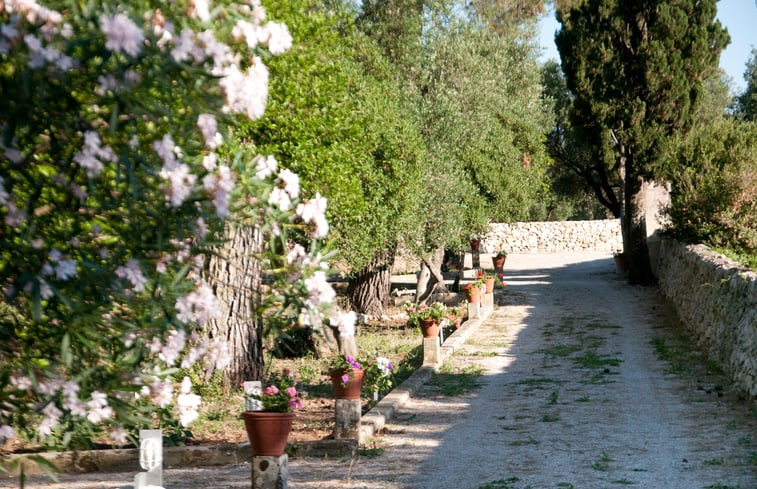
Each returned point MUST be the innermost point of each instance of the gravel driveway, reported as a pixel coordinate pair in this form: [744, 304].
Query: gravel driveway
[573, 395]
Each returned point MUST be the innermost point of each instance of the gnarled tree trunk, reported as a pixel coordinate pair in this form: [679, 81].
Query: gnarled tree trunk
[235, 276]
[430, 278]
[369, 288]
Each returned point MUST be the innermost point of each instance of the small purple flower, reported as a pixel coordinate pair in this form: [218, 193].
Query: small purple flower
[345, 378]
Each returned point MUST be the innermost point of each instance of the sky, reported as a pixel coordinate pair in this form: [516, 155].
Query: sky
[738, 16]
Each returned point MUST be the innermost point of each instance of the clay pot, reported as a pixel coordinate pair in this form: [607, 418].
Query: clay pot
[429, 327]
[267, 432]
[473, 295]
[474, 244]
[622, 262]
[489, 282]
[350, 390]
[498, 263]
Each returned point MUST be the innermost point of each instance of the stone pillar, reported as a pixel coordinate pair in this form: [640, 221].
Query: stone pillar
[270, 472]
[474, 310]
[487, 302]
[348, 412]
[431, 351]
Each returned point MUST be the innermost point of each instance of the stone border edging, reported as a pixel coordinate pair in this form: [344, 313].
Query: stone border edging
[374, 420]
[127, 459]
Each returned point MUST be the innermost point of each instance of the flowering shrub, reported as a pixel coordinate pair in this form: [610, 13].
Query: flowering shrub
[501, 254]
[416, 312]
[117, 175]
[483, 275]
[378, 374]
[279, 394]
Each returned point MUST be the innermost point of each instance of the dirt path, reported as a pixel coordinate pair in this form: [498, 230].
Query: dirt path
[573, 396]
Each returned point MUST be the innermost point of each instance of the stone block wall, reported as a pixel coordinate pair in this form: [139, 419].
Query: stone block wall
[553, 236]
[717, 299]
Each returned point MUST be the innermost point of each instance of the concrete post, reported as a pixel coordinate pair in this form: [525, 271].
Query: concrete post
[270, 472]
[487, 302]
[474, 310]
[347, 425]
[431, 351]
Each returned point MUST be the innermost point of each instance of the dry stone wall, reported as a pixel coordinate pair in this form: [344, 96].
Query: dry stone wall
[553, 236]
[717, 299]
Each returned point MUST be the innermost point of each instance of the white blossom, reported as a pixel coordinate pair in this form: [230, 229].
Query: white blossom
[180, 183]
[93, 154]
[209, 129]
[98, 408]
[161, 393]
[220, 185]
[319, 290]
[65, 269]
[201, 10]
[122, 35]
[313, 211]
[132, 272]
[247, 92]
[6, 433]
[175, 343]
[119, 435]
[200, 305]
[291, 182]
[344, 322]
[277, 37]
[265, 166]
[280, 198]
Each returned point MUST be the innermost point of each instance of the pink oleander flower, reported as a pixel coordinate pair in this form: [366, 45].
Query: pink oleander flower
[271, 390]
[291, 391]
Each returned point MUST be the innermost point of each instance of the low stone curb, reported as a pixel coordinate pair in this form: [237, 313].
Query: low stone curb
[374, 420]
[127, 459]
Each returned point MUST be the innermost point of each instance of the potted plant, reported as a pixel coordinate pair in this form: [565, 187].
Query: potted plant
[498, 260]
[378, 375]
[475, 243]
[426, 317]
[347, 376]
[268, 429]
[622, 260]
[489, 280]
[473, 291]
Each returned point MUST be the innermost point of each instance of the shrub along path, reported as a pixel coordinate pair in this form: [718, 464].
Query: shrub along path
[586, 382]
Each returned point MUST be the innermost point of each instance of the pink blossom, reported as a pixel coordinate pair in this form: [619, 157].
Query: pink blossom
[345, 378]
[271, 390]
[118, 435]
[199, 305]
[296, 403]
[291, 391]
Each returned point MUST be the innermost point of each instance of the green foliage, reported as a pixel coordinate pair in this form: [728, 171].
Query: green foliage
[746, 103]
[714, 193]
[338, 120]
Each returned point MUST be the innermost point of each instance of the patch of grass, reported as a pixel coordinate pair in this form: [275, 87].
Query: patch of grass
[714, 461]
[371, 451]
[721, 486]
[502, 484]
[456, 381]
[552, 399]
[584, 399]
[623, 481]
[550, 418]
[561, 350]
[521, 443]
[566, 485]
[538, 382]
[479, 353]
[602, 463]
[592, 360]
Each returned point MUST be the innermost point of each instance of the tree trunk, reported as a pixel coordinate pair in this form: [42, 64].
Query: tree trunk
[634, 229]
[235, 276]
[369, 289]
[430, 278]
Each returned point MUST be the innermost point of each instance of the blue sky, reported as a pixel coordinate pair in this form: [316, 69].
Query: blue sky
[739, 16]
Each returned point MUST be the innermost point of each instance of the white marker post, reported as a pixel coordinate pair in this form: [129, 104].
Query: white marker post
[150, 459]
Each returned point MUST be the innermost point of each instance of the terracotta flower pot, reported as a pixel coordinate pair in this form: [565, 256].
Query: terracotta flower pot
[267, 432]
[473, 294]
[489, 282]
[622, 262]
[351, 389]
[498, 262]
[429, 327]
[474, 244]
